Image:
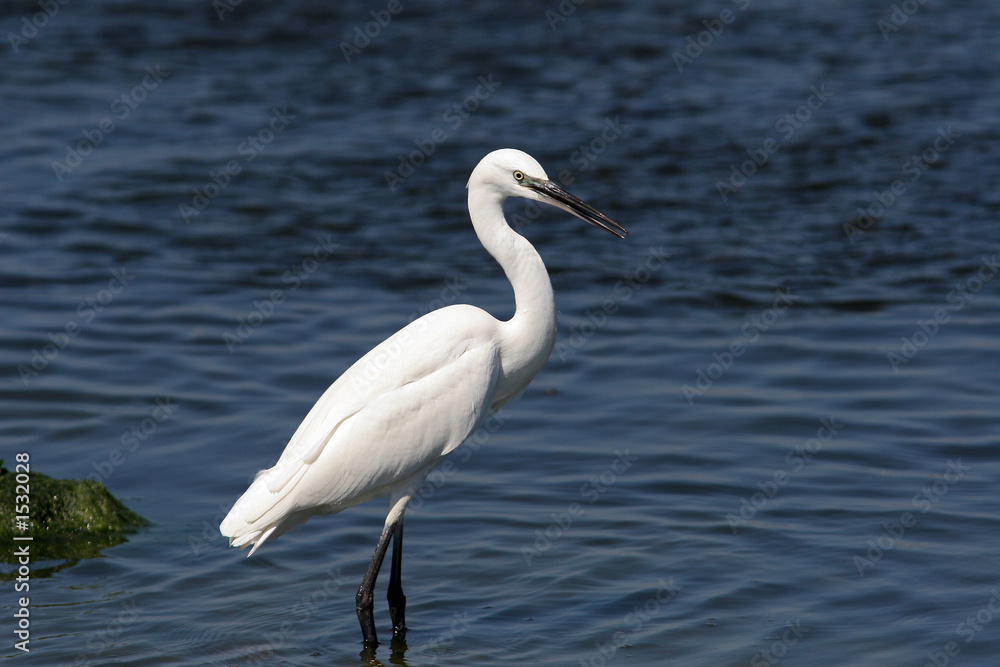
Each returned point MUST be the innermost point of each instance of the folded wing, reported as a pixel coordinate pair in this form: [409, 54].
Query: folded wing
[384, 421]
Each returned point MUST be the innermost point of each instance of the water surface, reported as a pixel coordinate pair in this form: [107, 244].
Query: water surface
[767, 434]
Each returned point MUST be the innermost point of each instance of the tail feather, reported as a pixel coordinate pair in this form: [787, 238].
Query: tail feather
[267, 509]
[254, 541]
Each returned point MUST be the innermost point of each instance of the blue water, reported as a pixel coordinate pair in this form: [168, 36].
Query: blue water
[767, 434]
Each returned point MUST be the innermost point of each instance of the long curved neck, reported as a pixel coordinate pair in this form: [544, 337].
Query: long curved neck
[534, 322]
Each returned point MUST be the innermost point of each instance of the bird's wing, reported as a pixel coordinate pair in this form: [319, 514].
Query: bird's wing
[401, 431]
[416, 351]
[340, 457]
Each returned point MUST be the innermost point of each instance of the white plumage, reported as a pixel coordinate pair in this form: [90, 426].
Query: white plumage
[374, 429]
[392, 416]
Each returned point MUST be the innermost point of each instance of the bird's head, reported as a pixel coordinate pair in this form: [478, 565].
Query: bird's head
[514, 173]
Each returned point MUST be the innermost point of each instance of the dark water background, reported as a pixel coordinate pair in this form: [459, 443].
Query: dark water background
[842, 381]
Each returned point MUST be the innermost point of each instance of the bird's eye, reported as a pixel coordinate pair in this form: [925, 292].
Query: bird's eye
[518, 176]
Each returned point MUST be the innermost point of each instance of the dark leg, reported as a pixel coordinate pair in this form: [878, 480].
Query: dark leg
[397, 601]
[365, 599]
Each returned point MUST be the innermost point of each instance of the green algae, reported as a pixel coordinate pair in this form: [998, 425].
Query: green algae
[67, 519]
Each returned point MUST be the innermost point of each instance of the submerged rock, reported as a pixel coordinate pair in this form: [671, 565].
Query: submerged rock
[68, 519]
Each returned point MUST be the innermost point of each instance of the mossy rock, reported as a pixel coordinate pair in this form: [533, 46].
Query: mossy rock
[69, 519]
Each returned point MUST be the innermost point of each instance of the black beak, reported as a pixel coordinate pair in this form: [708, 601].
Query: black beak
[555, 195]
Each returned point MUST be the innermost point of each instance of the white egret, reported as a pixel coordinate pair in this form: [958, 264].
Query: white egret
[380, 433]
